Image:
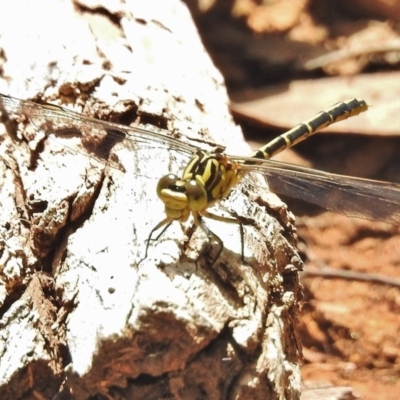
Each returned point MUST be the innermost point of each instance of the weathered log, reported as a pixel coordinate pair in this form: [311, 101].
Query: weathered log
[79, 316]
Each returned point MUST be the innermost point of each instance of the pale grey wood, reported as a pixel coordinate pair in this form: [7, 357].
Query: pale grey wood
[194, 331]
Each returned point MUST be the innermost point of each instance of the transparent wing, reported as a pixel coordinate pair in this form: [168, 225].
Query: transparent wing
[354, 197]
[347, 195]
[97, 138]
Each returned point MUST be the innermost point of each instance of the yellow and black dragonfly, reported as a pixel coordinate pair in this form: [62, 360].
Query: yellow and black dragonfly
[209, 176]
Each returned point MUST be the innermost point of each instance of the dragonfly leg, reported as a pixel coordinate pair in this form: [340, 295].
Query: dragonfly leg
[167, 222]
[212, 236]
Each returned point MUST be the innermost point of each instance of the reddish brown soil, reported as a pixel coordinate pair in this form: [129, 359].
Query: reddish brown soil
[349, 328]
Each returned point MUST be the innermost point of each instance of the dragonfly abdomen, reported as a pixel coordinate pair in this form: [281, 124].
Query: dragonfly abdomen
[338, 112]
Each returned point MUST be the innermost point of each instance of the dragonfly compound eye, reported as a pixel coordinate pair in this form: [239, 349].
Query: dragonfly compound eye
[172, 192]
[166, 182]
[197, 194]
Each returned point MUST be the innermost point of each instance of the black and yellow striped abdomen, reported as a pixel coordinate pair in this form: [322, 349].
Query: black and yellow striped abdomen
[338, 112]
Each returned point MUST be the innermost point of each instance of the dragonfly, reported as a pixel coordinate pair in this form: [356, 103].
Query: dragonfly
[209, 176]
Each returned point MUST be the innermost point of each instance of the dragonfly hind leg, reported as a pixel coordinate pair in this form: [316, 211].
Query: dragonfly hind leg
[212, 236]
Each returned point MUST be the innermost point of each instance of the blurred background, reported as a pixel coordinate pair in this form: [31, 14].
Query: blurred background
[284, 61]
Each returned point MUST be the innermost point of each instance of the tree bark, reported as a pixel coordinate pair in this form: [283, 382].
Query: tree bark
[79, 316]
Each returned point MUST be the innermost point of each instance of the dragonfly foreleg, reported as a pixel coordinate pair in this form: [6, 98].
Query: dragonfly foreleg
[167, 222]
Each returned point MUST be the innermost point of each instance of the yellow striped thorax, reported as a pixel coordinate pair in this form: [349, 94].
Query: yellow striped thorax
[208, 177]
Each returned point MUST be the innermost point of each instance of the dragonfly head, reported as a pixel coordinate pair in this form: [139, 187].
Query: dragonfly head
[181, 197]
